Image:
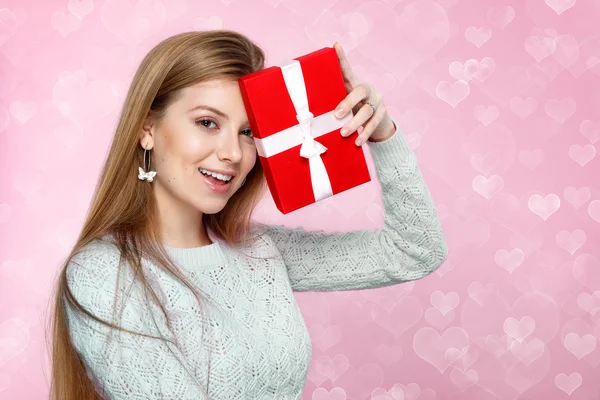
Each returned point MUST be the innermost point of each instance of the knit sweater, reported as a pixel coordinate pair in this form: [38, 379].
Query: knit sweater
[251, 341]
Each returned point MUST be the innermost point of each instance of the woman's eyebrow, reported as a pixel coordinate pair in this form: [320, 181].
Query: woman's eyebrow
[216, 111]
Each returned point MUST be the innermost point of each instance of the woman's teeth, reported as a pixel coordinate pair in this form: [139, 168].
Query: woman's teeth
[224, 178]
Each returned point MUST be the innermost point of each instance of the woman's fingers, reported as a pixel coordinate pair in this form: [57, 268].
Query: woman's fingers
[349, 78]
[372, 123]
[359, 93]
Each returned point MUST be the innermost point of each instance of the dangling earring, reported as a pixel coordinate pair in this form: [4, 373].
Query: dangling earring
[148, 176]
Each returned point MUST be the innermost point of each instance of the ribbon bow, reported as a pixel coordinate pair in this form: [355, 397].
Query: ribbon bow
[310, 147]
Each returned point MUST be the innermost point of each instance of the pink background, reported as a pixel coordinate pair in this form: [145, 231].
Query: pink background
[499, 100]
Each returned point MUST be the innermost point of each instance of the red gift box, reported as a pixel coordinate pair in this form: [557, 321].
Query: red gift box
[290, 109]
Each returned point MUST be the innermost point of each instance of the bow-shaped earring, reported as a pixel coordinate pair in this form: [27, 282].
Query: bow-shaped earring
[148, 176]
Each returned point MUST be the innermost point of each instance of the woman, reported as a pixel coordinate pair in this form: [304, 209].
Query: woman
[171, 291]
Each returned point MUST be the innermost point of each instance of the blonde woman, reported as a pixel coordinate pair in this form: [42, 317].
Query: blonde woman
[171, 292]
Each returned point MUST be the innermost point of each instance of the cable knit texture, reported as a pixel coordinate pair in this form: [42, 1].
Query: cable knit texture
[249, 341]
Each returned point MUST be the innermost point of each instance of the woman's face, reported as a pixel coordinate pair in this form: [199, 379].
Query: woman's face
[206, 127]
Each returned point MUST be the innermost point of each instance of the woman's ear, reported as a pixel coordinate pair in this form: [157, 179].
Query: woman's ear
[146, 134]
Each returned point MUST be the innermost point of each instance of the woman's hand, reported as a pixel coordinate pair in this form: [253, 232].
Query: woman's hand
[377, 125]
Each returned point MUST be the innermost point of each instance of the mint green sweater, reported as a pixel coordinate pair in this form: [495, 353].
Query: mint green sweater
[251, 341]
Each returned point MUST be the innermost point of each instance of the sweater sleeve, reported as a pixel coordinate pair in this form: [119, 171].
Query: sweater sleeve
[410, 245]
[122, 365]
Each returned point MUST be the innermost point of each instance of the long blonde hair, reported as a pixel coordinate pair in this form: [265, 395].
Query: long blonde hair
[124, 207]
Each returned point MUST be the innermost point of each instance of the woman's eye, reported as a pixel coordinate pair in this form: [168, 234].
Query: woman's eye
[249, 131]
[202, 121]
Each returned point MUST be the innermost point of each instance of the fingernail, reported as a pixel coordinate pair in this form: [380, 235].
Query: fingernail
[360, 141]
[339, 112]
[344, 131]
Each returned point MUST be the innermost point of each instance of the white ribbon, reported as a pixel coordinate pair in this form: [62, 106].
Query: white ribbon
[308, 128]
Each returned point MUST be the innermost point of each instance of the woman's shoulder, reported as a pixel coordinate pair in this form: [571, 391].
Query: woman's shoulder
[101, 248]
[97, 262]
[100, 282]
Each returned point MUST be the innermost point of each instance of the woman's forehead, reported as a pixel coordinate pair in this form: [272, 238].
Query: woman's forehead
[221, 95]
[214, 86]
